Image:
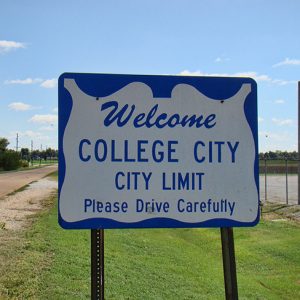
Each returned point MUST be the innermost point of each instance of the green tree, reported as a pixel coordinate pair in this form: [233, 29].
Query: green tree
[3, 144]
[51, 153]
[279, 155]
[25, 153]
[11, 160]
[35, 154]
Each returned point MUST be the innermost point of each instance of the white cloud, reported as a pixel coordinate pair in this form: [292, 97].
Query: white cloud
[51, 127]
[6, 46]
[275, 136]
[288, 62]
[251, 74]
[44, 119]
[279, 101]
[34, 134]
[19, 106]
[283, 122]
[23, 81]
[260, 119]
[221, 59]
[283, 82]
[284, 141]
[45, 83]
[189, 73]
[49, 83]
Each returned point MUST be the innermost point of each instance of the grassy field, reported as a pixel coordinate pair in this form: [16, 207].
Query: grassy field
[47, 262]
[42, 162]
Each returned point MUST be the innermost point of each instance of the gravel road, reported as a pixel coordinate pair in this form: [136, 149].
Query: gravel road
[16, 208]
[12, 181]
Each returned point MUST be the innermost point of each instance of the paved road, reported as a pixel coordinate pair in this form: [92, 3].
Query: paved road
[278, 190]
[12, 181]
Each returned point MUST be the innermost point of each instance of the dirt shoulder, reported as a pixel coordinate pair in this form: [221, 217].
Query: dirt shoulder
[12, 181]
[18, 212]
[16, 208]
[281, 212]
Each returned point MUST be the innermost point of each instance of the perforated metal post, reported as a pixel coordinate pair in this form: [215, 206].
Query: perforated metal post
[97, 264]
[229, 267]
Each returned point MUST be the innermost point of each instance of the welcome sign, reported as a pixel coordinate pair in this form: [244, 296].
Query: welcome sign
[157, 151]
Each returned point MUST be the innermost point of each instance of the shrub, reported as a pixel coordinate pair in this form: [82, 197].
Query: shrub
[10, 160]
[24, 163]
[1, 159]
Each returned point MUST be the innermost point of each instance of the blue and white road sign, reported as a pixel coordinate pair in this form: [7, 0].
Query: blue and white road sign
[157, 151]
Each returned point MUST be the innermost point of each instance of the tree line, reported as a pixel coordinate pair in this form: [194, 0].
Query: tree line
[38, 154]
[280, 155]
[12, 160]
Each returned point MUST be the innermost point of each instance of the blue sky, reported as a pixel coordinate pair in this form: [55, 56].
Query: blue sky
[39, 40]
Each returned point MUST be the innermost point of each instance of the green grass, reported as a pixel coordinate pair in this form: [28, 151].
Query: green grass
[47, 262]
[43, 162]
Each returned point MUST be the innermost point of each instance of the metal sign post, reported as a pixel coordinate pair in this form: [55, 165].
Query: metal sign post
[97, 264]
[229, 267]
[299, 142]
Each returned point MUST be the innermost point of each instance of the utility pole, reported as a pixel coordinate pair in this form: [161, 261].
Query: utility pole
[41, 154]
[17, 142]
[31, 152]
